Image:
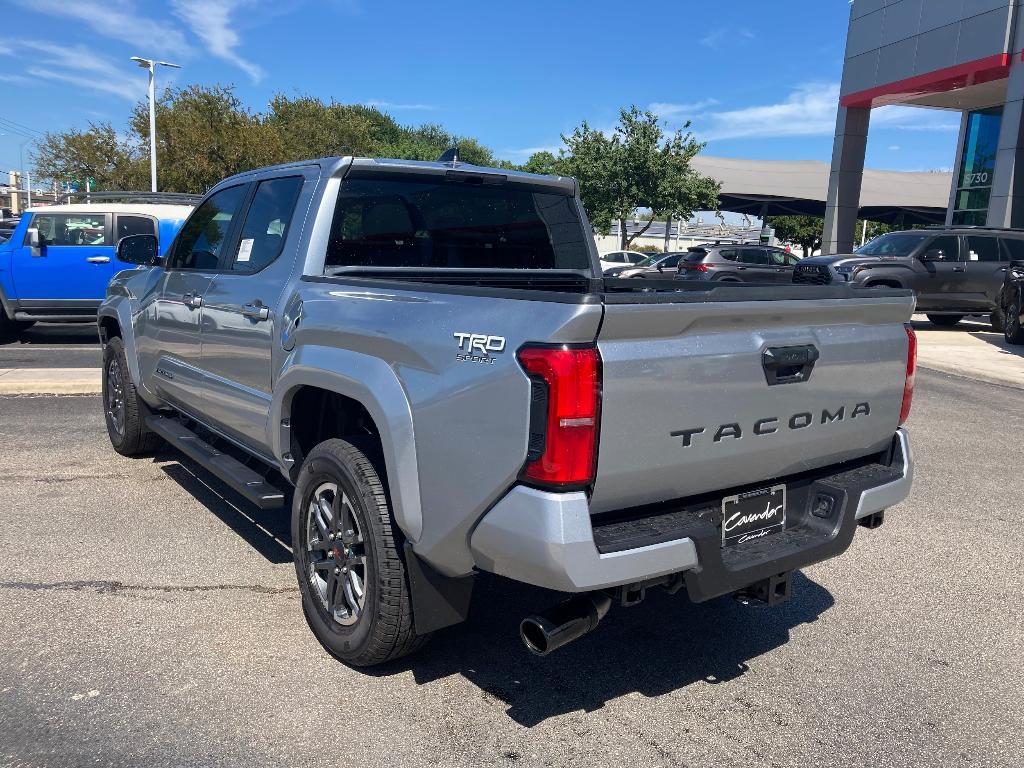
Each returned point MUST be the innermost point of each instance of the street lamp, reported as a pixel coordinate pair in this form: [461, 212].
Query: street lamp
[151, 65]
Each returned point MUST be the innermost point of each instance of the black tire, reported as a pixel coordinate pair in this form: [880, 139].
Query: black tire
[380, 628]
[121, 407]
[9, 329]
[1012, 331]
[998, 320]
[945, 321]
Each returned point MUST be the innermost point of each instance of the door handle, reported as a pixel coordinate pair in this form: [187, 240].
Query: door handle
[193, 300]
[256, 311]
[741, 268]
[959, 269]
[98, 259]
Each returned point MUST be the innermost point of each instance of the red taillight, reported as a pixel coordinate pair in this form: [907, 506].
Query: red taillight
[569, 379]
[696, 267]
[908, 387]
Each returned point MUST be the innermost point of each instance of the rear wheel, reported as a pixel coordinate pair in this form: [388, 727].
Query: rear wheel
[121, 405]
[945, 321]
[1012, 331]
[349, 559]
[998, 320]
[9, 329]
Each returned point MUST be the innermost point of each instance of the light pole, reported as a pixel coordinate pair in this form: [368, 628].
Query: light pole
[151, 65]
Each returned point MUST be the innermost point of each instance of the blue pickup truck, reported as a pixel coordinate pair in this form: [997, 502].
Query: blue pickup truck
[56, 265]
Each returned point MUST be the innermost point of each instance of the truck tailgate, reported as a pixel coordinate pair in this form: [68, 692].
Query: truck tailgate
[687, 407]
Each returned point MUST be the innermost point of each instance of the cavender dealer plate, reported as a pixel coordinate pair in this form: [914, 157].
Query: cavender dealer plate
[753, 515]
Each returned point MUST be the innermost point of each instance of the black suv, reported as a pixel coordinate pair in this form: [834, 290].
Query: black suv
[955, 271]
[1011, 303]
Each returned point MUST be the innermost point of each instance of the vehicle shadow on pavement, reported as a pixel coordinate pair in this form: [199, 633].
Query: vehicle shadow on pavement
[266, 531]
[999, 341]
[71, 334]
[657, 647]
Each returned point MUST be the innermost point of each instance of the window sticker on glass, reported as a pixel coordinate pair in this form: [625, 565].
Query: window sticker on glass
[245, 249]
[974, 256]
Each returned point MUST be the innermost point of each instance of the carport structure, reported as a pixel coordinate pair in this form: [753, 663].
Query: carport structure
[800, 188]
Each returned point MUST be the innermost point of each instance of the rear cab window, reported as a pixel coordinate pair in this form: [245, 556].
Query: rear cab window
[982, 248]
[424, 221]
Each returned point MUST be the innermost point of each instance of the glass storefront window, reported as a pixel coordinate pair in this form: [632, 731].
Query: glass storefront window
[974, 177]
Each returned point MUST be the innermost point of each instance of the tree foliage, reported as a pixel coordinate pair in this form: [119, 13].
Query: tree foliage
[206, 133]
[805, 231]
[637, 166]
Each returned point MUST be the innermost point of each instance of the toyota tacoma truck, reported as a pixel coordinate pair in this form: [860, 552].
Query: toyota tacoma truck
[423, 362]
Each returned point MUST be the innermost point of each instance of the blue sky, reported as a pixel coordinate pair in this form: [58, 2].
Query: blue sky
[757, 79]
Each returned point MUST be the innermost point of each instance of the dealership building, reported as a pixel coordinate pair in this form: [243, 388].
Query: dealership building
[961, 55]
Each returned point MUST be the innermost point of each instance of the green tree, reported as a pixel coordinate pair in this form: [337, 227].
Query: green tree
[805, 231]
[637, 166]
[98, 152]
[543, 162]
[306, 127]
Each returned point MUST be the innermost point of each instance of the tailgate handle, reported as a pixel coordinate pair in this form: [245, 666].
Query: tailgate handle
[788, 365]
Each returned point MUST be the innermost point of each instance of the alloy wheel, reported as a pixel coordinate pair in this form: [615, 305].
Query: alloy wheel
[115, 397]
[336, 554]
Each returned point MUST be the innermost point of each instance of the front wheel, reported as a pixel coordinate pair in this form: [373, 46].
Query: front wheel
[121, 405]
[9, 329]
[349, 560]
[1012, 331]
[945, 321]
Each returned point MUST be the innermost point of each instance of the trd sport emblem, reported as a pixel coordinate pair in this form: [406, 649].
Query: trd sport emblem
[478, 347]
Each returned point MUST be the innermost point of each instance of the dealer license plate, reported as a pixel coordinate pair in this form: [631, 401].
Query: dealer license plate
[753, 515]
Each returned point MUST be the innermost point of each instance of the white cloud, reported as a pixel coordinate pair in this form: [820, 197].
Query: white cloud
[211, 21]
[116, 19]
[894, 147]
[18, 79]
[716, 38]
[398, 107]
[668, 109]
[77, 65]
[810, 110]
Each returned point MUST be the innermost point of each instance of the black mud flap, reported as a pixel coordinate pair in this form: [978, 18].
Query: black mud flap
[438, 601]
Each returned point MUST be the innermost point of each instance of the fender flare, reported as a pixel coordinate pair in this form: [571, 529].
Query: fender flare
[373, 383]
[5, 305]
[121, 313]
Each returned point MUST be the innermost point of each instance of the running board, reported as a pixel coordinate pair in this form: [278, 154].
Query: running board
[250, 484]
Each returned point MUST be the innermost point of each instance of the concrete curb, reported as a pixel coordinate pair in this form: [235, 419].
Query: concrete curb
[50, 381]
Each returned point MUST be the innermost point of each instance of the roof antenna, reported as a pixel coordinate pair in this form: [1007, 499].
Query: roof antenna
[450, 155]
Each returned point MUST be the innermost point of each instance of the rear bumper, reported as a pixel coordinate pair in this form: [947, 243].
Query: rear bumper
[549, 540]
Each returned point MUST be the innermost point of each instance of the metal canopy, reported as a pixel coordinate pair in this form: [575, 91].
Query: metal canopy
[800, 188]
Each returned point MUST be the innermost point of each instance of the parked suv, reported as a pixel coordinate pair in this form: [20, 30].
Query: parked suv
[57, 262]
[1011, 303]
[738, 264]
[954, 271]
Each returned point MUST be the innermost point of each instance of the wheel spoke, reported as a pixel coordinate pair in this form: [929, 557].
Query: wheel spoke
[331, 593]
[323, 565]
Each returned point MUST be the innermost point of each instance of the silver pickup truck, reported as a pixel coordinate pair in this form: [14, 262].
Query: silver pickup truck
[423, 361]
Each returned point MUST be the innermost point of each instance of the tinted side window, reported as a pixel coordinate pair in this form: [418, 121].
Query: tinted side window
[753, 256]
[133, 225]
[982, 248]
[729, 254]
[777, 257]
[202, 237]
[266, 223]
[791, 260]
[71, 228]
[948, 244]
[672, 261]
[1013, 249]
[429, 222]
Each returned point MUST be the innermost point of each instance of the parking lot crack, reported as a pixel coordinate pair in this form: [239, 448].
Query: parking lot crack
[118, 587]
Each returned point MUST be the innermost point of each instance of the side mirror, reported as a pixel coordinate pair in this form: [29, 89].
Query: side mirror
[138, 249]
[661, 267]
[33, 241]
[934, 254]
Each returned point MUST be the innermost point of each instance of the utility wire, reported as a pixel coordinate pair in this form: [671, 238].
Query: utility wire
[16, 127]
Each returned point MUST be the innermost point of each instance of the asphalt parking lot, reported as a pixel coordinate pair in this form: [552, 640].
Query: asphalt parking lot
[150, 618]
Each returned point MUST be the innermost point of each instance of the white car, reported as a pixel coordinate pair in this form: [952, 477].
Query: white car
[620, 259]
